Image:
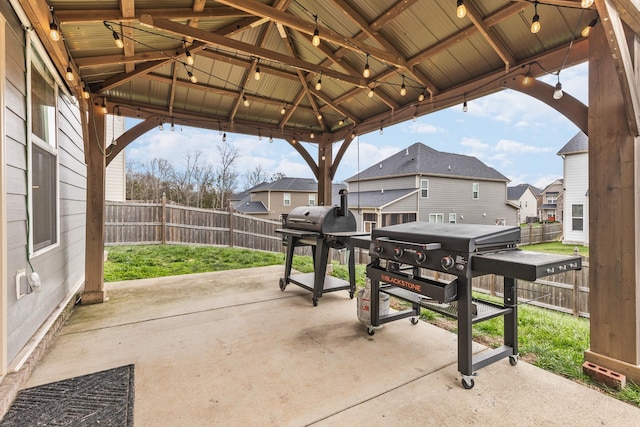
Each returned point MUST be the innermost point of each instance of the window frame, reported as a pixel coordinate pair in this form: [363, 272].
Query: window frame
[286, 199]
[574, 217]
[312, 199]
[454, 216]
[475, 191]
[34, 47]
[424, 188]
[436, 216]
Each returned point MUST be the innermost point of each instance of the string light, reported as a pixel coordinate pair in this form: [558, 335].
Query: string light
[315, 40]
[465, 107]
[587, 30]
[586, 3]
[193, 78]
[461, 9]
[103, 107]
[188, 55]
[403, 88]
[257, 74]
[371, 92]
[557, 93]
[85, 93]
[118, 40]
[527, 80]
[54, 31]
[319, 82]
[367, 71]
[161, 127]
[245, 101]
[173, 128]
[535, 22]
[341, 122]
[69, 75]
[224, 137]
[312, 135]
[381, 129]
[283, 111]
[320, 116]
[421, 96]
[270, 139]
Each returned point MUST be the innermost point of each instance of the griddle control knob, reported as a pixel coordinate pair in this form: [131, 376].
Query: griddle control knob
[420, 257]
[447, 262]
[377, 249]
[397, 252]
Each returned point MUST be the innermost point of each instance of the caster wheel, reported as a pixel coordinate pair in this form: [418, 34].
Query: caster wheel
[315, 302]
[468, 383]
[371, 331]
[283, 284]
[513, 360]
[414, 320]
[350, 295]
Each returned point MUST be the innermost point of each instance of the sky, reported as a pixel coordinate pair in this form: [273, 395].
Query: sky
[515, 134]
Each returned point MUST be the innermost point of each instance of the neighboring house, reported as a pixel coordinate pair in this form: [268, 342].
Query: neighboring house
[423, 184]
[116, 184]
[272, 199]
[550, 202]
[44, 191]
[526, 197]
[575, 155]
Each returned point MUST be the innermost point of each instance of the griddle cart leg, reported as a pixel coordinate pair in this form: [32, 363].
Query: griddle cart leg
[465, 344]
[291, 247]
[511, 318]
[352, 271]
[320, 259]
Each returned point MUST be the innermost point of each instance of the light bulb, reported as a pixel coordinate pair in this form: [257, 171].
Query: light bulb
[245, 101]
[366, 72]
[535, 23]
[224, 137]
[341, 122]
[69, 74]
[586, 3]
[161, 127]
[257, 75]
[587, 30]
[465, 107]
[85, 93]
[190, 59]
[320, 116]
[312, 135]
[371, 91]
[461, 10]
[283, 110]
[315, 40]
[192, 77]
[103, 108]
[527, 80]
[54, 32]
[118, 40]
[319, 84]
[381, 130]
[403, 90]
[557, 94]
[270, 139]
[421, 97]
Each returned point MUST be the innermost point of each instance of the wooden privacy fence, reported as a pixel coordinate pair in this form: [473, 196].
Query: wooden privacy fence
[164, 222]
[133, 223]
[544, 233]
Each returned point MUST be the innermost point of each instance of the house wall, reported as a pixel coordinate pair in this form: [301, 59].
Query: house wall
[528, 206]
[450, 195]
[576, 185]
[115, 186]
[274, 201]
[61, 269]
[394, 183]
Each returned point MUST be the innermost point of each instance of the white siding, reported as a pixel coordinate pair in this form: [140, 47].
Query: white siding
[576, 185]
[115, 188]
[528, 205]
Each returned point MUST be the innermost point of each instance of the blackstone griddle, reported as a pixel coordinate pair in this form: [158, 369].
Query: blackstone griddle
[404, 254]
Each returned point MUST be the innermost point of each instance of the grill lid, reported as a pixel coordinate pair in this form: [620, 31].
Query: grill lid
[321, 219]
[455, 237]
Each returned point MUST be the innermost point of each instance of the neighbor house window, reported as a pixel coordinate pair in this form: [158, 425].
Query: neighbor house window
[424, 188]
[436, 218]
[369, 221]
[551, 199]
[577, 217]
[397, 218]
[286, 199]
[475, 191]
[312, 199]
[452, 218]
[44, 154]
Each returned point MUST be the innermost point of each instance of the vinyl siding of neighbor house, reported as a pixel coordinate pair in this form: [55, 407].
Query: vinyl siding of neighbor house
[576, 184]
[274, 201]
[528, 205]
[61, 268]
[451, 195]
[392, 183]
[407, 204]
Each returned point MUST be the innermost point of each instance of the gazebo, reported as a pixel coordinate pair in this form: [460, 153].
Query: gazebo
[325, 72]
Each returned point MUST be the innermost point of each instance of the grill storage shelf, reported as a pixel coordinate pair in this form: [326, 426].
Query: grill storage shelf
[402, 254]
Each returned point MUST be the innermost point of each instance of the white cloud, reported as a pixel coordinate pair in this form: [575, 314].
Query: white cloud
[514, 147]
[422, 128]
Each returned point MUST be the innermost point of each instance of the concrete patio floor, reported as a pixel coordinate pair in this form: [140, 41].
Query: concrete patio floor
[230, 348]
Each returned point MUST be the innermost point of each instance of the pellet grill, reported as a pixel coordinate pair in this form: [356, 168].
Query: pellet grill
[406, 262]
[321, 228]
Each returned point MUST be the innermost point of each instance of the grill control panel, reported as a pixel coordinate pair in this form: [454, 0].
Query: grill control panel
[430, 255]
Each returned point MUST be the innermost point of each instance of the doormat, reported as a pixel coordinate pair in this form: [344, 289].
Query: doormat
[104, 398]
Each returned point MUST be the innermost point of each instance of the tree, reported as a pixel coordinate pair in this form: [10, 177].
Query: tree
[226, 177]
[256, 176]
[276, 176]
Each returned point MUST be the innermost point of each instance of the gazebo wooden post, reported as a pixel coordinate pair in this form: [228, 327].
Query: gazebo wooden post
[94, 291]
[614, 216]
[324, 174]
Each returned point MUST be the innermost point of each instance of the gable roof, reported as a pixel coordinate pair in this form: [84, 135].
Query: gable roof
[419, 159]
[249, 207]
[578, 144]
[516, 191]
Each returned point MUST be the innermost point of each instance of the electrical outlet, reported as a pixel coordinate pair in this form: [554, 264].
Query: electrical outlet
[20, 279]
[34, 282]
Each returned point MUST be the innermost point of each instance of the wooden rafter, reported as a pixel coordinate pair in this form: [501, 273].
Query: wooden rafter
[99, 15]
[478, 21]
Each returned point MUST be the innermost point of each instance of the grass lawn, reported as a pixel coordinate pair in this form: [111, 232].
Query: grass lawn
[551, 340]
[556, 248]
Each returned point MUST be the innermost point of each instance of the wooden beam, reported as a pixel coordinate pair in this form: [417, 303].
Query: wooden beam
[305, 155]
[630, 13]
[390, 14]
[498, 47]
[249, 49]
[77, 15]
[616, 37]
[129, 136]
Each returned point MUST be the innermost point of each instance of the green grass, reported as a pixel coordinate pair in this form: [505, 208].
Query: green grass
[556, 248]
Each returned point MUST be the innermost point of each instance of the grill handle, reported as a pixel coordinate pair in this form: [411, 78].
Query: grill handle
[423, 246]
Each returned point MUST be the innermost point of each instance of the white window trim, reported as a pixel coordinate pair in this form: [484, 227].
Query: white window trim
[312, 198]
[33, 42]
[423, 188]
[436, 215]
[286, 199]
[454, 216]
[473, 191]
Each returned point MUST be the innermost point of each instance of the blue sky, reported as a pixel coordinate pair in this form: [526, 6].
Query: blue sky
[509, 131]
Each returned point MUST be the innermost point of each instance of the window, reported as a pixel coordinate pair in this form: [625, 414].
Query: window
[312, 199]
[551, 198]
[44, 160]
[424, 188]
[286, 199]
[439, 218]
[452, 218]
[475, 190]
[577, 217]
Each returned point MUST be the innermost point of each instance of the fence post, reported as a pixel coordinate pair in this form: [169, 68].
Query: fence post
[576, 293]
[531, 233]
[231, 242]
[163, 219]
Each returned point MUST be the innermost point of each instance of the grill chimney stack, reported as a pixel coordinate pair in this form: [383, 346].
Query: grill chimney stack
[344, 207]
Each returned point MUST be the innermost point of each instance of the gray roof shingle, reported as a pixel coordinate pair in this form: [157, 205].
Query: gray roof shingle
[516, 191]
[419, 159]
[578, 144]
